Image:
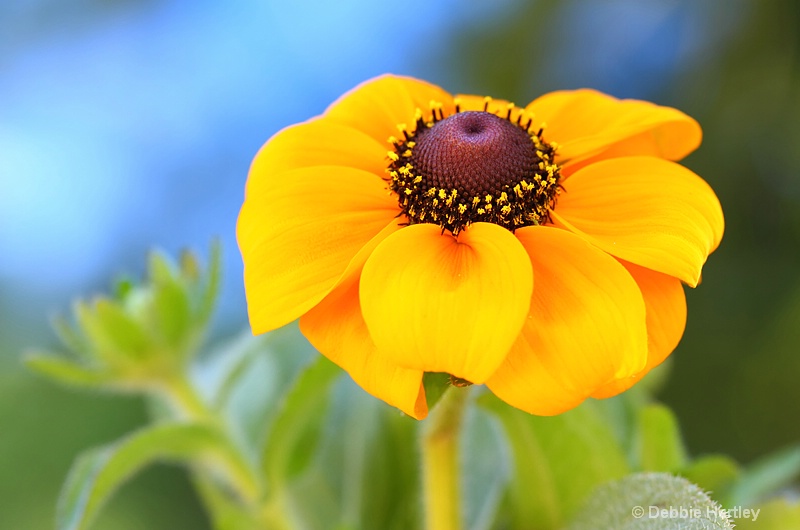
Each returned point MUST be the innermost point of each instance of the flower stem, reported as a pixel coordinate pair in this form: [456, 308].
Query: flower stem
[186, 401]
[439, 446]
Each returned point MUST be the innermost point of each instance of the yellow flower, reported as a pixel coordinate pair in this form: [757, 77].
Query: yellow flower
[539, 250]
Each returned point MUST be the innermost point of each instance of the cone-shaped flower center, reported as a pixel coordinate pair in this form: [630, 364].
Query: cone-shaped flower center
[476, 153]
[474, 167]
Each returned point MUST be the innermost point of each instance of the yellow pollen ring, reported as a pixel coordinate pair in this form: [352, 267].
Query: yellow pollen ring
[523, 203]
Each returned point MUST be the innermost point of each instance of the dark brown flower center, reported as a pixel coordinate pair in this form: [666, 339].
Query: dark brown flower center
[474, 167]
[476, 153]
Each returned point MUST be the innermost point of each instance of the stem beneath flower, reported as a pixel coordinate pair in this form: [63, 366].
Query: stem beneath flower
[441, 477]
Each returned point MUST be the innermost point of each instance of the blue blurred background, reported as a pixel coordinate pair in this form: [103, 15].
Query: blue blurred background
[130, 124]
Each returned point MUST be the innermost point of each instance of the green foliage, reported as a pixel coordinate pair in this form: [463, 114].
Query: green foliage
[659, 445]
[99, 472]
[764, 477]
[435, 384]
[275, 438]
[365, 474]
[712, 473]
[557, 461]
[486, 466]
[295, 432]
[142, 335]
[650, 501]
[778, 514]
[66, 371]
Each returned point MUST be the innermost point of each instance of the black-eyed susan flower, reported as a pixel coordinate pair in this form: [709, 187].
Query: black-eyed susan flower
[539, 250]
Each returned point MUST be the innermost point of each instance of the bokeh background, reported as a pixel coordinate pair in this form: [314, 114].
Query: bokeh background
[130, 124]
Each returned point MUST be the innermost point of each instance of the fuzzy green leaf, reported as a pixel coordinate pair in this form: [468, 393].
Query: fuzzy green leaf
[65, 371]
[172, 313]
[98, 473]
[650, 501]
[712, 473]
[124, 334]
[659, 444]
[556, 461]
[486, 469]
[248, 378]
[295, 431]
[366, 466]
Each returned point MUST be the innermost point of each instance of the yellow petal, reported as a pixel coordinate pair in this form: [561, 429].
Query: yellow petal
[437, 303]
[588, 123]
[665, 304]
[645, 210]
[299, 234]
[379, 105]
[317, 142]
[586, 326]
[337, 330]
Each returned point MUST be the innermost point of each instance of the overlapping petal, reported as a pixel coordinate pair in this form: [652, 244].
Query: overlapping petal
[586, 326]
[300, 232]
[317, 142]
[379, 105]
[645, 210]
[437, 303]
[336, 328]
[588, 123]
[321, 240]
[665, 304]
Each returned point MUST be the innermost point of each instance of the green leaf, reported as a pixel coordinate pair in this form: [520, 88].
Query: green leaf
[123, 333]
[65, 371]
[621, 414]
[98, 473]
[225, 512]
[190, 266]
[160, 269]
[368, 464]
[248, 377]
[296, 429]
[171, 313]
[101, 347]
[435, 383]
[712, 473]
[765, 477]
[556, 461]
[655, 380]
[122, 287]
[211, 291]
[233, 362]
[486, 468]
[659, 444]
[69, 336]
[778, 514]
[650, 501]
[170, 310]
[112, 336]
